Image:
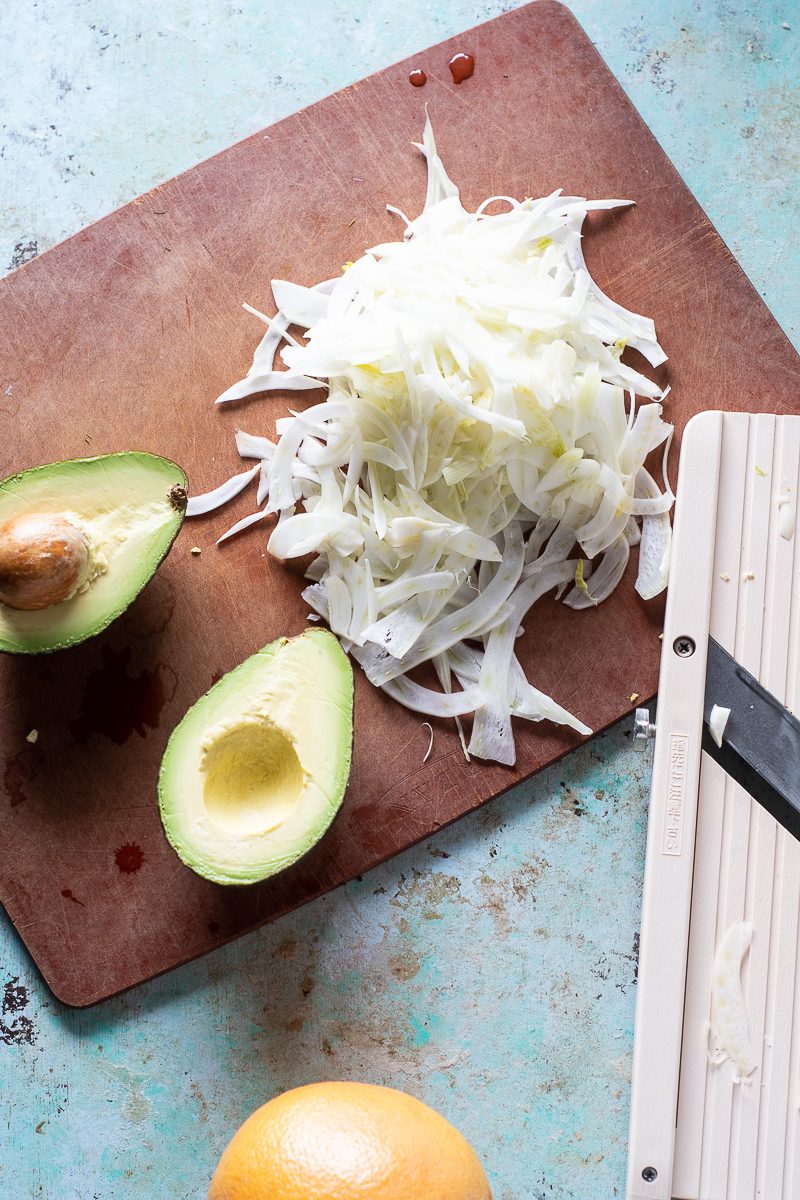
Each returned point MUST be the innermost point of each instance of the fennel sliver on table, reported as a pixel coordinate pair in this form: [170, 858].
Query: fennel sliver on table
[128, 331]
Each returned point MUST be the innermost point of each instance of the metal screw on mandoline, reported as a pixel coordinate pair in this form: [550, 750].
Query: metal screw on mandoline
[643, 728]
[649, 1174]
[684, 646]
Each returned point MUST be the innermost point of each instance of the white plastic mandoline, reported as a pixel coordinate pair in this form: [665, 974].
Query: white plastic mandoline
[714, 856]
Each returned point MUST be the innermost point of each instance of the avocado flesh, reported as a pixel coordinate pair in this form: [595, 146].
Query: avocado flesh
[122, 502]
[257, 769]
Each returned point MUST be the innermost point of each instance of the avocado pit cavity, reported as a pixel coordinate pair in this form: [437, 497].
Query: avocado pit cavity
[252, 777]
[44, 559]
[257, 769]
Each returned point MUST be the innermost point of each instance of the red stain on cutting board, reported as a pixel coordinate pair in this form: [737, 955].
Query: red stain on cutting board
[117, 703]
[129, 858]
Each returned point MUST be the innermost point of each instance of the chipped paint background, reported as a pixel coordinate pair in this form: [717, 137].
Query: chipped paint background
[490, 971]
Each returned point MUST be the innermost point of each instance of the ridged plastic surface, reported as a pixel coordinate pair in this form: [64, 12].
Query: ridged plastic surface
[731, 1141]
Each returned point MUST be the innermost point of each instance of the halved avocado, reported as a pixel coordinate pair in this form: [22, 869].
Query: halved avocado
[257, 769]
[78, 542]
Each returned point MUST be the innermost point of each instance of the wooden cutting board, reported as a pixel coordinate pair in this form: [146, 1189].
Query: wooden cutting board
[122, 337]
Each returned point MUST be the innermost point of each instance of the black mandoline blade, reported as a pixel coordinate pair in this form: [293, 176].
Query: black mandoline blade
[761, 742]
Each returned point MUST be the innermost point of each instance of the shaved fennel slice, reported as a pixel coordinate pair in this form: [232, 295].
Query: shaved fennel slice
[264, 357]
[415, 585]
[424, 700]
[305, 533]
[531, 704]
[398, 630]
[271, 381]
[643, 330]
[481, 445]
[492, 737]
[433, 704]
[208, 501]
[491, 730]
[427, 725]
[299, 305]
[728, 1022]
[655, 544]
[445, 675]
[526, 701]
[717, 720]
[250, 446]
[440, 185]
[245, 523]
[316, 597]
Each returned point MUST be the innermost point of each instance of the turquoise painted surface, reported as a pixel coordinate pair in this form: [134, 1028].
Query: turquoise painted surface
[492, 970]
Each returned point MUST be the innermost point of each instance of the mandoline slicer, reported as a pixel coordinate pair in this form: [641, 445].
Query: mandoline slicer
[701, 1127]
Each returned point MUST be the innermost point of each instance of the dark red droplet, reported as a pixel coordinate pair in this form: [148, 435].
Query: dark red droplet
[461, 66]
[213, 928]
[215, 678]
[129, 858]
[417, 78]
[68, 895]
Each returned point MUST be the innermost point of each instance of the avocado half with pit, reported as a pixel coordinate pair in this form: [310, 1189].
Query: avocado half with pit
[78, 542]
[257, 769]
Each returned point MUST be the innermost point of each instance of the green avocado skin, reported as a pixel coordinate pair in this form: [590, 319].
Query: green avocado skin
[306, 685]
[139, 502]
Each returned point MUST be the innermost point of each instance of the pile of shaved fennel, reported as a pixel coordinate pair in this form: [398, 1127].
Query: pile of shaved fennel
[480, 446]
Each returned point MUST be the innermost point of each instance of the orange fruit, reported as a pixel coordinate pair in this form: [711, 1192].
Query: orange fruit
[348, 1141]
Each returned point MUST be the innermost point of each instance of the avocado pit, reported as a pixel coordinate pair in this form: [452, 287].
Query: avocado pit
[79, 539]
[44, 560]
